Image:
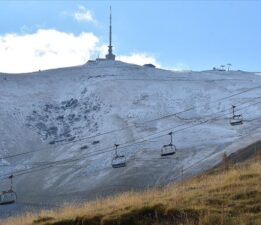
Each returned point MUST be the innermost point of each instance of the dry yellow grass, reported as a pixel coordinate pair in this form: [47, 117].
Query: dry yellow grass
[221, 197]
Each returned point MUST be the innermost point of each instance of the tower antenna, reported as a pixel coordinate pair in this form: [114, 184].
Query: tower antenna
[110, 55]
[110, 30]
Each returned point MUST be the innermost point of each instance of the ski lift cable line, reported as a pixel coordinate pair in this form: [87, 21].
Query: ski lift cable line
[106, 150]
[137, 141]
[132, 125]
[185, 169]
[11, 156]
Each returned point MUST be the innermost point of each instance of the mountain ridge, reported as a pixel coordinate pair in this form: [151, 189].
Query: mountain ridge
[51, 112]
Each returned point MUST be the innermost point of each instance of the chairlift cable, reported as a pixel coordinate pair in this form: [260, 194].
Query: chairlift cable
[109, 150]
[52, 164]
[133, 125]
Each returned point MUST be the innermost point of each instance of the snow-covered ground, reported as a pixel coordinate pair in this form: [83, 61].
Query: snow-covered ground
[54, 112]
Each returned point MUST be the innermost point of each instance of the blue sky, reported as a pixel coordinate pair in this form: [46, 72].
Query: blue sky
[193, 35]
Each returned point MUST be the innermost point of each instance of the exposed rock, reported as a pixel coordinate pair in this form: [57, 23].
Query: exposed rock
[67, 118]
[95, 142]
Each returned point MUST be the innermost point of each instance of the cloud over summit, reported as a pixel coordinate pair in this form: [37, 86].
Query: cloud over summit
[50, 48]
[45, 49]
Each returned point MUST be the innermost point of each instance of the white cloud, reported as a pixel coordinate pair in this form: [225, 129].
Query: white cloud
[46, 49]
[139, 59]
[50, 48]
[83, 15]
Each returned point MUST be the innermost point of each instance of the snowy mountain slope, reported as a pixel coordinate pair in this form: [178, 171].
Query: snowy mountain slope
[52, 112]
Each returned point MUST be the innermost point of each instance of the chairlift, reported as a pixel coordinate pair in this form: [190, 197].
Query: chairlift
[118, 161]
[9, 196]
[236, 119]
[168, 149]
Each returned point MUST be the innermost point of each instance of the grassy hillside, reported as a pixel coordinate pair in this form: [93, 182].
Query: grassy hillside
[228, 195]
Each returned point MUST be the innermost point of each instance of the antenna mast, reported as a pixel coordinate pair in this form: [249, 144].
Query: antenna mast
[110, 55]
[110, 47]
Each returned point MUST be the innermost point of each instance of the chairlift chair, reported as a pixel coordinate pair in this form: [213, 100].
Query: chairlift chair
[168, 149]
[9, 196]
[236, 119]
[118, 161]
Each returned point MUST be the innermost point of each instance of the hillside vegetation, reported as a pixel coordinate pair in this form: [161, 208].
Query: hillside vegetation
[230, 194]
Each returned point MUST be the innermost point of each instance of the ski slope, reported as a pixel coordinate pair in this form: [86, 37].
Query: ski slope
[69, 119]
